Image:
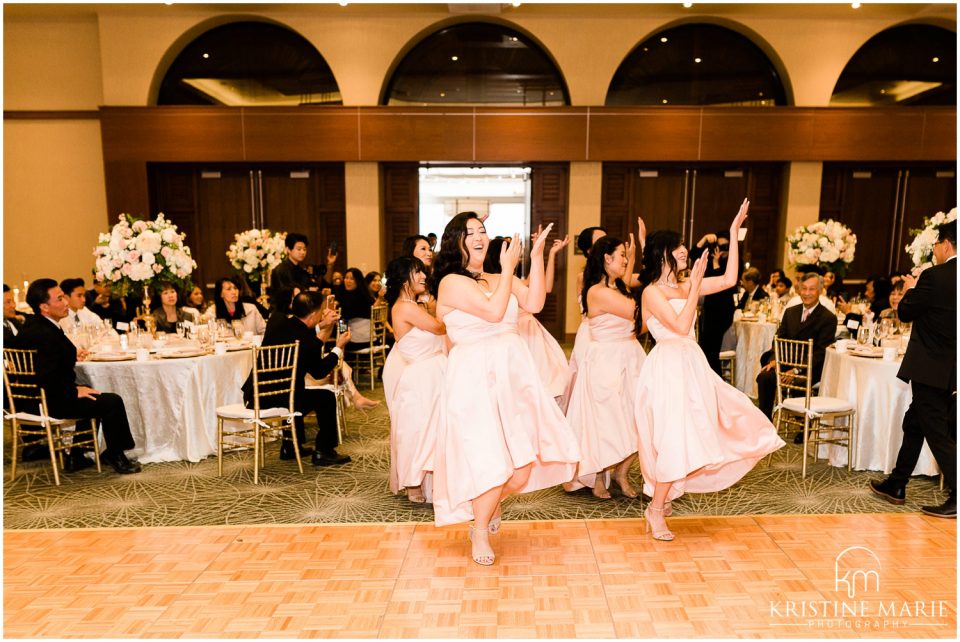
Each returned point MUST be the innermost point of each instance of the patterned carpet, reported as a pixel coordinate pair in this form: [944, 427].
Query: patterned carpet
[186, 494]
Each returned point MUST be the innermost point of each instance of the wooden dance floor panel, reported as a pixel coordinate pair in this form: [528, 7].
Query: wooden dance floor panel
[766, 576]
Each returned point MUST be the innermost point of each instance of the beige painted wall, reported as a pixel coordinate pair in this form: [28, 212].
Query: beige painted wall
[584, 211]
[54, 204]
[364, 235]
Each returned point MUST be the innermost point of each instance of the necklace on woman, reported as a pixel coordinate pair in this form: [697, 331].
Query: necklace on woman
[407, 299]
[668, 284]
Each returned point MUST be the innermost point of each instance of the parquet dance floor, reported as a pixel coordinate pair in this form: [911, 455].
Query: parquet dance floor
[749, 576]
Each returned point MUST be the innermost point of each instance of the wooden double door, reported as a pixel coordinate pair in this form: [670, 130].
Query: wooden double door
[212, 202]
[881, 203]
[400, 187]
[696, 199]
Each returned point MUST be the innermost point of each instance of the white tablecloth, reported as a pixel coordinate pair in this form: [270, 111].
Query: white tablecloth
[881, 401]
[172, 403]
[753, 339]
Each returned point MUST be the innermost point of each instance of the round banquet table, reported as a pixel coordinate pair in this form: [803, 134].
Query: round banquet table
[881, 400]
[753, 339]
[172, 403]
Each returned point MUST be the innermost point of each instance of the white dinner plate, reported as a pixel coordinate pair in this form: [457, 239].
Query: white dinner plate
[180, 354]
[111, 356]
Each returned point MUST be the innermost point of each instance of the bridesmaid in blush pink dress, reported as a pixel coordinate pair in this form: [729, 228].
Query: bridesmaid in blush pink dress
[501, 432]
[547, 354]
[601, 407]
[696, 432]
[413, 380]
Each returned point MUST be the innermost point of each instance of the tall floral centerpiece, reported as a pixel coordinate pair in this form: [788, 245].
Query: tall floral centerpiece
[921, 248]
[255, 253]
[826, 245]
[138, 254]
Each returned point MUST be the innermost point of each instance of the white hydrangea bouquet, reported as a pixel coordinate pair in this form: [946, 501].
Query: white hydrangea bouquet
[140, 253]
[255, 253]
[826, 244]
[921, 248]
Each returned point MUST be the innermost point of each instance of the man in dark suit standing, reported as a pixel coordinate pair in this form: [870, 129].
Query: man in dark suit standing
[55, 361]
[307, 313]
[930, 367]
[809, 320]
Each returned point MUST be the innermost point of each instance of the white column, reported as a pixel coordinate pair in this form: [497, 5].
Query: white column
[801, 203]
[364, 231]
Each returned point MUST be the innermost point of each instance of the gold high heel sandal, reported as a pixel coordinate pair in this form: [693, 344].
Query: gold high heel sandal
[667, 509]
[482, 560]
[664, 535]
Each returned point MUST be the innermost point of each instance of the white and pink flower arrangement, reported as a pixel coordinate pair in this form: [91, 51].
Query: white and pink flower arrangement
[255, 253]
[921, 248]
[826, 244]
[138, 253]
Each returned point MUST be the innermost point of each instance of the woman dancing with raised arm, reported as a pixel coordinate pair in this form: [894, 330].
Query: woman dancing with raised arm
[413, 380]
[502, 433]
[601, 407]
[696, 433]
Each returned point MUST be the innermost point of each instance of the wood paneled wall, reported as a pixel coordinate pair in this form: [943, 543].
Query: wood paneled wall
[133, 136]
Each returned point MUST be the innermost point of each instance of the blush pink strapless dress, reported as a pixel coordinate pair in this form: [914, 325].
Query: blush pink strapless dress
[548, 356]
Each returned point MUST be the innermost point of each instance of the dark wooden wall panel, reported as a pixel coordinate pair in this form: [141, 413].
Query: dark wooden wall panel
[127, 188]
[300, 134]
[172, 133]
[548, 204]
[625, 135]
[400, 200]
[402, 136]
[506, 136]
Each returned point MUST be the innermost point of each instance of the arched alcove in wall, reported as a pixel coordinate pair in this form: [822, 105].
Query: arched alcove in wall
[910, 64]
[475, 63]
[698, 64]
[246, 62]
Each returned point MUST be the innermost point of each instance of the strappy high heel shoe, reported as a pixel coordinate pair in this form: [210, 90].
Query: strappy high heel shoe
[664, 535]
[667, 509]
[482, 560]
[495, 522]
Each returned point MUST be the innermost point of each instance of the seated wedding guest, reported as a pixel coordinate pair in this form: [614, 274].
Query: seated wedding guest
[432, 240]
[77, 313]
[12, 322]
[169, 312]
[809, 320]
[832, 285]
[783, 290]
[896, 295]
[796, 300]
[227, 306]
[775, 276]
[336, 280]
[355, 305]
[56, 358]
[876, 292]
[196, 302]
[306, 313]
[752, 292]
[375, 286]
[106, 304]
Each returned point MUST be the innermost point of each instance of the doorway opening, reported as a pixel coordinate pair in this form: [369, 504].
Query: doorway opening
[501, 193]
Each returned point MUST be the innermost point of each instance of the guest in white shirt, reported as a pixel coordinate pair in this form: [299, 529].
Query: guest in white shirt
[12, 322]
[78, 315]
[825, 301]
[782, 290]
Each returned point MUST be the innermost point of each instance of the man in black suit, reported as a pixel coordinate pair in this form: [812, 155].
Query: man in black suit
[750, 282]
[307, 313]
[930, 367]
[809, 320]
[292, 273]
[12, 322]
[56, 358]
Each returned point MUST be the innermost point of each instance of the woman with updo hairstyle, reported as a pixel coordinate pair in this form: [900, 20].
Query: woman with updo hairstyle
[502, 431]
[697, 433]
[413, 381]
[601, 404]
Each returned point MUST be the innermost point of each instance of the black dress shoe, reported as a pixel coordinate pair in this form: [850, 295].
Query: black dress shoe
[75, 462]
[120, 463]
[798, 438]
[286, 452]
[946, 510]
[889, 491]
[330, 458]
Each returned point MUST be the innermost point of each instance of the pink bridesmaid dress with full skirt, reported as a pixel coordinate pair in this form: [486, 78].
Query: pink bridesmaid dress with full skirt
[689, 419]
[497, 417]
[548, 356]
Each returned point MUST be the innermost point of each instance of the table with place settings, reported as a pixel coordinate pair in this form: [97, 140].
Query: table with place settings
[754, 337]
[870, 383]
[171, 398]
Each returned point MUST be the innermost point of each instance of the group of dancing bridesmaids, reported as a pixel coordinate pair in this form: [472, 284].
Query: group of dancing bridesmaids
[483, 403]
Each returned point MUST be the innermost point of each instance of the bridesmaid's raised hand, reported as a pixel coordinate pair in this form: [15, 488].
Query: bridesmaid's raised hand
[559, 244]
[739, 219]
[630, 247]
[510, 255]
[541, 240]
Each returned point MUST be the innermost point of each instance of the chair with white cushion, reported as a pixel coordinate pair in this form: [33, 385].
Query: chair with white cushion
[274, 378]
[728, 366]
[824, 420]
[335, 384]
[375, 354]
[23, 389]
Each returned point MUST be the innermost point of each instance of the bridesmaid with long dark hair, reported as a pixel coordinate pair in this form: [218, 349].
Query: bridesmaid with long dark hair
[413, 380]
[502, 432]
